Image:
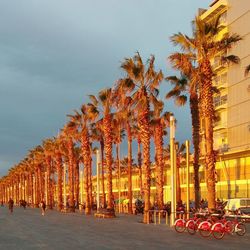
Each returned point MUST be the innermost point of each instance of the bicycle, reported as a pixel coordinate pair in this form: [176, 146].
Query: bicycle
[193, 224]
[219, 229]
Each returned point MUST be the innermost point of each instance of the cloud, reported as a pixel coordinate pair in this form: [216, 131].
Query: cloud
[55, 53]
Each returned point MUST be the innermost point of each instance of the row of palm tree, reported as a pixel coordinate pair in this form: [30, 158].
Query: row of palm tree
[132, 106]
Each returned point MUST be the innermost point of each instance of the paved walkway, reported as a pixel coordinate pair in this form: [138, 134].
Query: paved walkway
[27, 229]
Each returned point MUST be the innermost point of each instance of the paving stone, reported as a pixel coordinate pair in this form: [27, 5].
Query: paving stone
[28, 229]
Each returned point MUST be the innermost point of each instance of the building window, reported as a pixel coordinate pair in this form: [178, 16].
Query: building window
[223, 18]
[220, 100]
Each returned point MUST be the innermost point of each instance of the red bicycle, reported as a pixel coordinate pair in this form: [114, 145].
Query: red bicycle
[229, 227]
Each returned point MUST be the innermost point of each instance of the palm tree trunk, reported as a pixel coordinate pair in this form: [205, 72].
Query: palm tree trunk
[194, 108]
[178, 181]
[48, 167]
[77, 183]
[158, 136]
[145, 138]
[70, 147]
[30, 194]
[59, 181]
[85, 153]
[90, 180]
[103, 177]
[139, 159]
[208, 112]
[108, 157]
[129, 135]
[40, 185]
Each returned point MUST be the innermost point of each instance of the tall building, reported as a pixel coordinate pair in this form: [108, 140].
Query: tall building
[232, 104]
[232, 131]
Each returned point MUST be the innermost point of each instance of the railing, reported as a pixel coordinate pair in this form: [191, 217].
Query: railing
[154, 216]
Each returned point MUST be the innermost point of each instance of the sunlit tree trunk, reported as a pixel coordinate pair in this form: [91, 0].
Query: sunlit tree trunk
[71, 156]
[49, 186]
[129, 135]
[139, 159]
[77, 184]
[90, 181]
[108, 157]
[58, 158]
[208, 112]
[85, 153]
[158, 137]
[103, 177]
[145, 138]
[194, 107]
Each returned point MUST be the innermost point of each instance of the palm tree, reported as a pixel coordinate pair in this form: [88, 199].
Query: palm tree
[97, 135]
[158, 124]
[103, 104]
[205, 45]
[82, 120]
[67, 135]
[184, 87]
[48, 151]
[58, 165]
[136, 135]
[125, 113]
[142, 82]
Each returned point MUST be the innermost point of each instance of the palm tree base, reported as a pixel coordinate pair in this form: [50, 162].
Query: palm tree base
[105, 213]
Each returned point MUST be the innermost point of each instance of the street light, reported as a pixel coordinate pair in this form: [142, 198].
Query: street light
[64, 186]
[187, 174]
[46, 189]
[97, 179]
[81, 187]
[173, 169]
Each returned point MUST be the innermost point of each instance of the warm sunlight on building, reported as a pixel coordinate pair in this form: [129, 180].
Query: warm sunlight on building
[232, 130]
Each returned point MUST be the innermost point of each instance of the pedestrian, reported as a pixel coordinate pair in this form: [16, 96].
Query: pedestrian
[43, 207]
[11, 204]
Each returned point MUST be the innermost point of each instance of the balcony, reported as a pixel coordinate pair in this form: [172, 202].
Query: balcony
[220, 102]
[220, 81]
[218, 126]
[217, 64]
[215, 9]
[223, 20]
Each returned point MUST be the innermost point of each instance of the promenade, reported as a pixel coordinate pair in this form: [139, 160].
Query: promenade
[28, 229]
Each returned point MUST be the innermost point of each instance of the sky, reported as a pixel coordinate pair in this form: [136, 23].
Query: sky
[53, 54]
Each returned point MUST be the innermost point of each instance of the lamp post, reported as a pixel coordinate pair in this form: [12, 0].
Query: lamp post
[97, 180]
[173, 169]
[34, 191]
[81, 189]
[187, 174]
[64, 186]
[46, 188]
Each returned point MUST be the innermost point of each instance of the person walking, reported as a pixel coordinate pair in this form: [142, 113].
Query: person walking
[11, 204]
[43, 207]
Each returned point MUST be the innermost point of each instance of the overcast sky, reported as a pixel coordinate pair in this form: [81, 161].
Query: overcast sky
[53, 53]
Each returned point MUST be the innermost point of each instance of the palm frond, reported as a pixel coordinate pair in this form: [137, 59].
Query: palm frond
[183, 41]
[182, 62]
[93, 99]
[181, 100]
[230, 59]
[173, 93]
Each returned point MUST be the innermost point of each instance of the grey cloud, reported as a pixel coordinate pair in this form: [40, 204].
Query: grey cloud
[54, 53]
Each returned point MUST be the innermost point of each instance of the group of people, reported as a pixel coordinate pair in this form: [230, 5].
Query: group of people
[23, 204]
